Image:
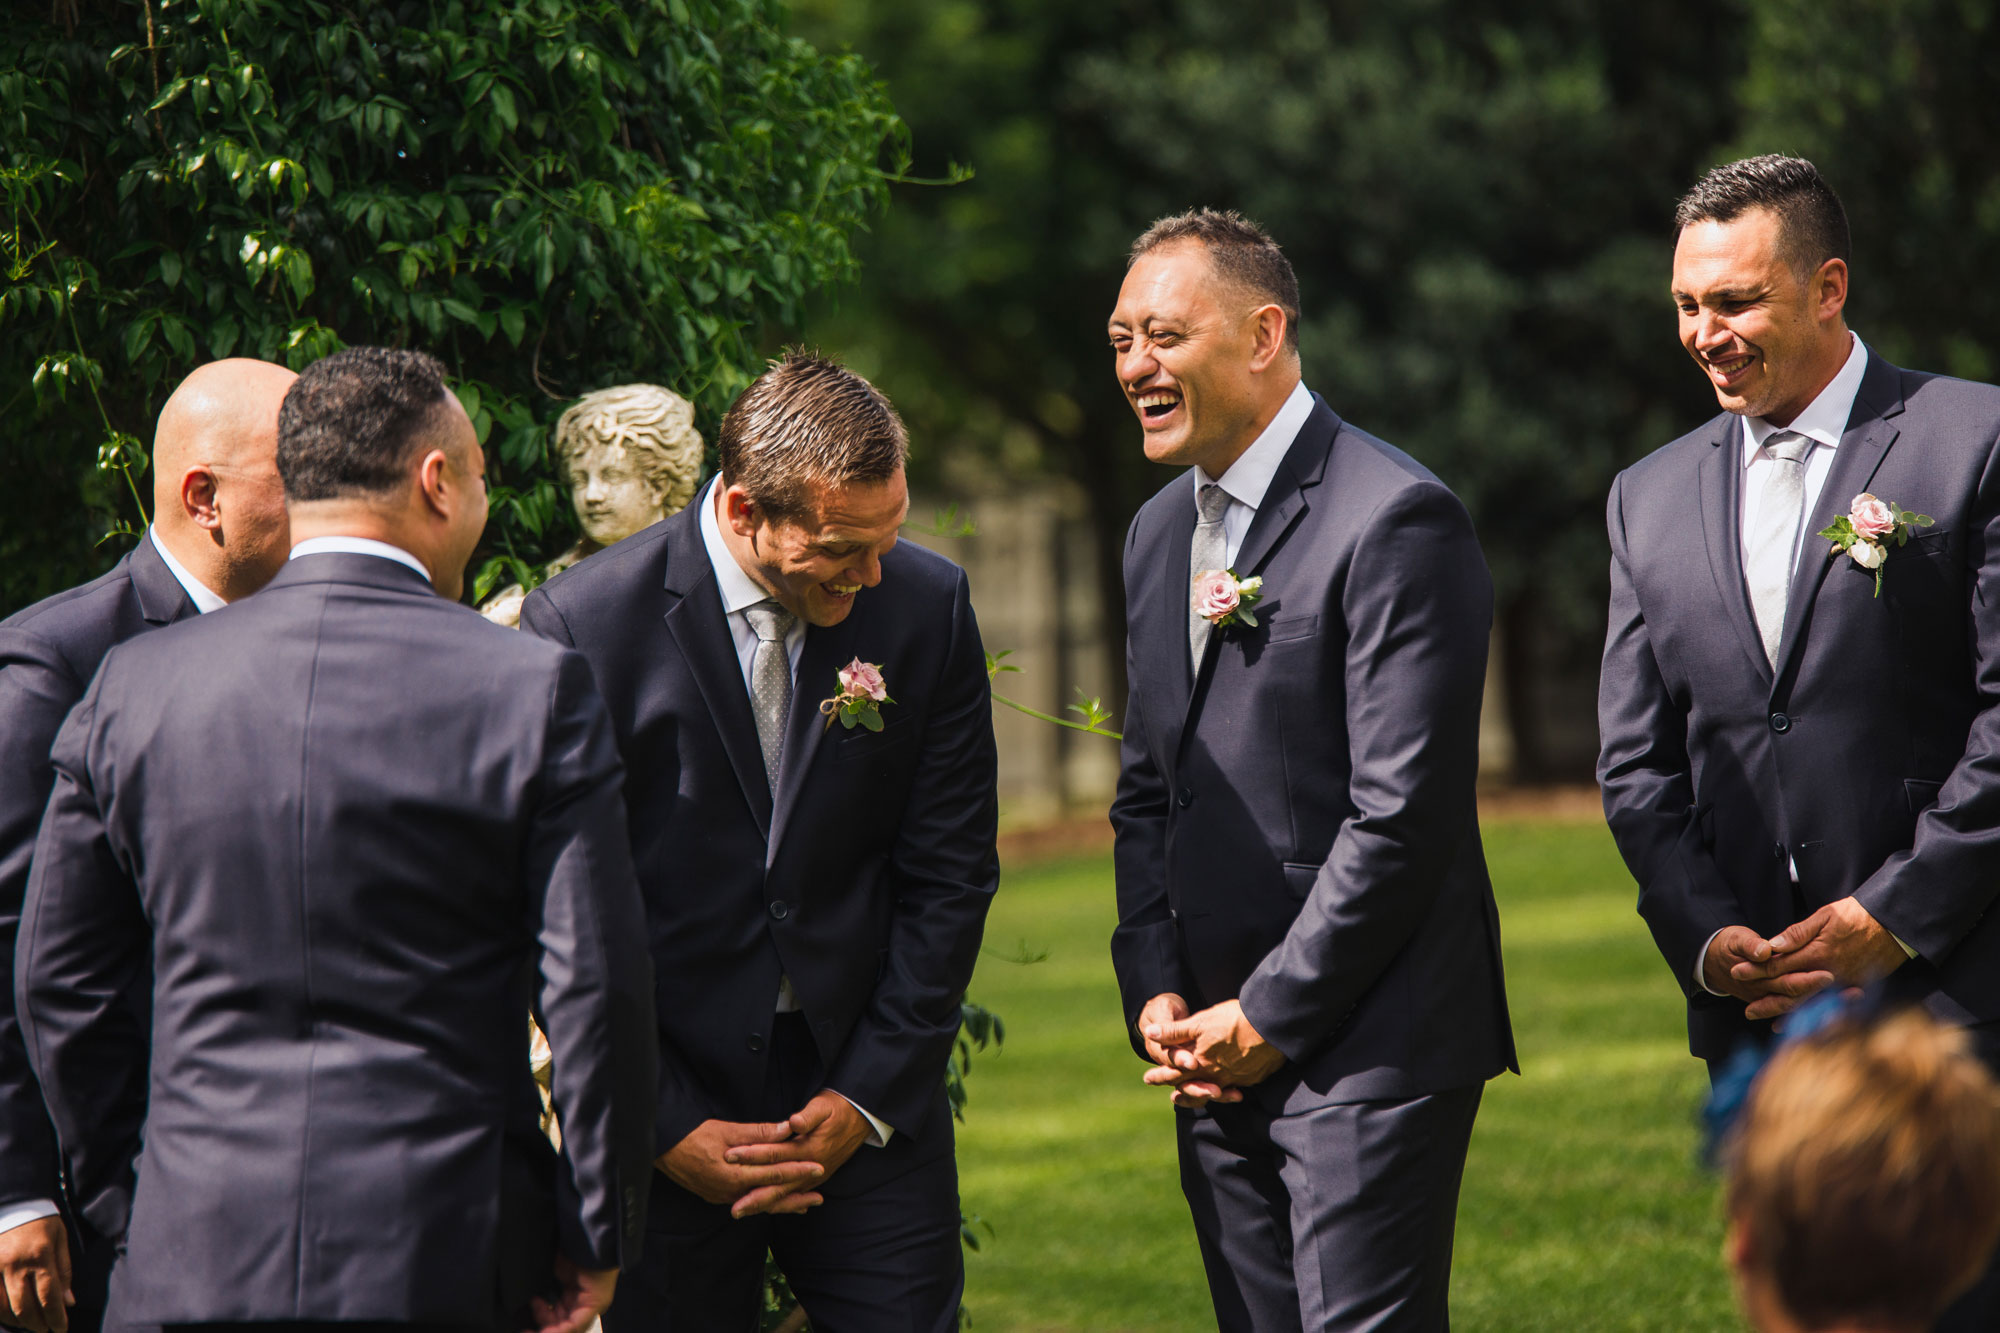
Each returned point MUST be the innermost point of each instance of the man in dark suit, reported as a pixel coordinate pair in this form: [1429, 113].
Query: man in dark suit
[1801, 773]
[815, 893]
[1307, 944]
[218, 534]
[358, 832]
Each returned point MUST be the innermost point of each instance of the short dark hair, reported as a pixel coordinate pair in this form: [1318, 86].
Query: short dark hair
[351, 421]
[1812, 226]
[1243, 253]
[806, 420]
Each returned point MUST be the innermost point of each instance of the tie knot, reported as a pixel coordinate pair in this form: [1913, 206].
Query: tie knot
[1212, 500]
[1788, 447]
[771, 621]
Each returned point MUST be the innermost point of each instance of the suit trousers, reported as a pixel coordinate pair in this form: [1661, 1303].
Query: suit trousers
[1331, 1218]
[884, 1260]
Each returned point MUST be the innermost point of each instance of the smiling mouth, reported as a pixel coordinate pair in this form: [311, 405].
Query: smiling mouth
[1730, 367]
[1158, 404]
[841, 589]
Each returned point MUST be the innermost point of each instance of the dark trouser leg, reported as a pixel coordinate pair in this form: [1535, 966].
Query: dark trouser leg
[886, 1260]
[701, 1271]
[1374, 1195]
[1242, 1217]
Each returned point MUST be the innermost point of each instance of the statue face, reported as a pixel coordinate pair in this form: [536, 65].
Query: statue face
[612, 499]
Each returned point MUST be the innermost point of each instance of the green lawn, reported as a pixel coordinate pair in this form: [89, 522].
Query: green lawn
[1582, 1210]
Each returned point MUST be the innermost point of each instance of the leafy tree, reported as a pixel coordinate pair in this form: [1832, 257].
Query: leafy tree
[552, 196]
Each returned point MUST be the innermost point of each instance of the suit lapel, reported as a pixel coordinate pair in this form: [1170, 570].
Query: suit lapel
[162, 600]
[826, 650]
[701, 631]
[1165, 633]
[1722, 524]
[1863, 446]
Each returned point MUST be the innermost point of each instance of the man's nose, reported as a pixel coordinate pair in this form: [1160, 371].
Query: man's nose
[1710, 331]
[1135, 363]
[869, 572]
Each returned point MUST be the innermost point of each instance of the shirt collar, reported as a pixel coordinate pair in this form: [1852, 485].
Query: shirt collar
[1825, 419]
[1249, 477]
[204, 598]
[359, 546]
[738, 589]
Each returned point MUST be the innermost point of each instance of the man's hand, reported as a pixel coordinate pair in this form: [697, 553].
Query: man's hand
[1842, 940]
[1738, 964]
[1189, 1092]
[701, 1165]
[582, 1294]
[826, 1130]
[1217, 1045]
[34, 1269]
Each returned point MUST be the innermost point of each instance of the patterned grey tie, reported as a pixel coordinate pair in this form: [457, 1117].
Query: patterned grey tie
[1767, 560]
[1210, 551]
[771, 681]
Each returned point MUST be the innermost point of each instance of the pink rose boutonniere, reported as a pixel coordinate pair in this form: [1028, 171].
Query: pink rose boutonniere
[858, 703]
[1222, 599]
[1868, 528]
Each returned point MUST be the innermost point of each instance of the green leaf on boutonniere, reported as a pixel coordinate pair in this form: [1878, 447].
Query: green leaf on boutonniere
[871, 718]
[1247, 616]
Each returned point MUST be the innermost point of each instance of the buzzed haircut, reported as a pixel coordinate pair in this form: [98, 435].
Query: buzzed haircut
[352, 422]
[808, 421]
[1812, 226]
[1866, 1172]
[1242, 252]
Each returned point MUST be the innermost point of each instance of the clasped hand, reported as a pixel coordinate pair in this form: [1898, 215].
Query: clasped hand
[1840, 944]
[775, 1168]
[1204, 1057]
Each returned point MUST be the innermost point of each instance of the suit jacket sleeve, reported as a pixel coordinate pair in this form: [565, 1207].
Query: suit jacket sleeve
[1648, 784]
[945, 868]
[1418, 607]
[595, 994]
[37, 690]
[1932, 895]
[1145, 944]
[679, 1104]
[83, 942]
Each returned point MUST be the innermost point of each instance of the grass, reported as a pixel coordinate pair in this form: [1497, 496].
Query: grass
[1583, 1208]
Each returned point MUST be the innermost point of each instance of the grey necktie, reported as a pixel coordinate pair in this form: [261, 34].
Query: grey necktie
[1768, 554]
[1210, 551]
[771, 681]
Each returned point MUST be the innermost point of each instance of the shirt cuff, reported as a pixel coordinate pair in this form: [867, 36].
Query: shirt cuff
[1701, 965]
[1907, 950]
[878, 1132]
[34, 1210]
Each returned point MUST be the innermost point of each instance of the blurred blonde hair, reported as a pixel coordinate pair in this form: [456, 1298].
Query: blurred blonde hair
[1865, 1172]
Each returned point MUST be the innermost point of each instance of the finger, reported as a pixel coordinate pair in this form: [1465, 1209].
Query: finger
[738, 1134]
[1172, 1034]
[1791, 991]
[49, 1291]
[62, 1265]
[785, 1175]
[798, 1201]
[1163, 1075]
[761, 1200]
[770, 1154]
[21, 1298]
[811, 1116]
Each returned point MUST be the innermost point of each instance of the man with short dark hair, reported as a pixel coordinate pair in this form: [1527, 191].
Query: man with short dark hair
[815, 893]
[218, 534]
[357, 832]
[1307, 945]
[1801, 731]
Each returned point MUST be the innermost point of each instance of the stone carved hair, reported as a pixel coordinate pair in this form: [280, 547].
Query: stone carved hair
[653, 425]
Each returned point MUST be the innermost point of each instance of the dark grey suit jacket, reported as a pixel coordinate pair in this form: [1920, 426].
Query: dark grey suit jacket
[48, 653]
[1295, 823]
[1871, 757]
[358, 830]
[868, 878]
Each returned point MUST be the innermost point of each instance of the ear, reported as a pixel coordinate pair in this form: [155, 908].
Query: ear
[435, 481]
[1830, 287]
[1267, 336]
[198, 499]
[740, 512]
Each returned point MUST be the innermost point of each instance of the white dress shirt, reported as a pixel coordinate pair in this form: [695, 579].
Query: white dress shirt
[740, 592]
[1249, 477]
[205, 599]
[1823, 422]
[359, 546]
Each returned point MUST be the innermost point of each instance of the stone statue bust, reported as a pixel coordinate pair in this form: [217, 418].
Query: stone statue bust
[630, 456]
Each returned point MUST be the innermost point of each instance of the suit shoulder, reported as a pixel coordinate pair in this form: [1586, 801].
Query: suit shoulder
[78, 624]
[639, 561]
[1673, 463]
[1363, 467]
[921, 569]
[1925, 392]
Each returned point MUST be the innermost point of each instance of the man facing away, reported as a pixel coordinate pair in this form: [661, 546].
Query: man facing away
[358, 831]
[1801, 765]
[218, 534]
[1307, 945]
[815, 893]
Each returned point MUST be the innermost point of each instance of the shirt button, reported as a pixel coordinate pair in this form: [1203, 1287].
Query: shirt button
[1777, 851]
[1780, 723]
[756, 1042]
[780, 909]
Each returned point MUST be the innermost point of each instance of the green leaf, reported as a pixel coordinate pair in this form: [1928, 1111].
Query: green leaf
[170, 269]
[871, 718]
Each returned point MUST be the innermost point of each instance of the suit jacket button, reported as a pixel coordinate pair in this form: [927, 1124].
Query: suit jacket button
[1777, 851]
[1780, 723]
[780, 909]
[1185, 796]
[756, 1042]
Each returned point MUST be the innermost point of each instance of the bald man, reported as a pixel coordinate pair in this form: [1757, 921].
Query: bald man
[219, 533]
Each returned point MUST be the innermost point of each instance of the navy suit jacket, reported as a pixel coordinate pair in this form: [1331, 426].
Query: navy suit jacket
[866, 881]
[1870, 757]
[358, 832]
[48, 654]
[1295, 822]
